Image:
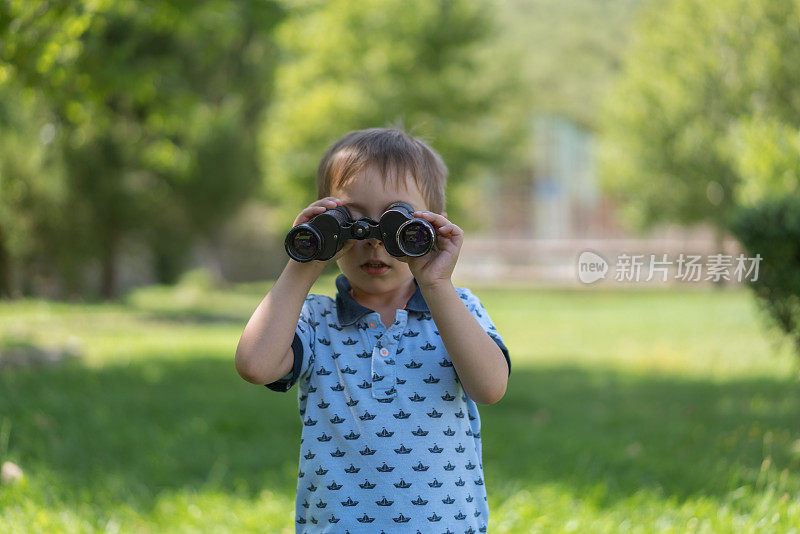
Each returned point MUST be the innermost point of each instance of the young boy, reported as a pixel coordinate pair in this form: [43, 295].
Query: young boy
[391, 370]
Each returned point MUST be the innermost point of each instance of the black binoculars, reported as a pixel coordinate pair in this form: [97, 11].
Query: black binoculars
[323, 236]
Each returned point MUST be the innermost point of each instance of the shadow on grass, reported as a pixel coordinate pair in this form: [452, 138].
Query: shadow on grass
[678, 437]
[126, 433]
[183, 317]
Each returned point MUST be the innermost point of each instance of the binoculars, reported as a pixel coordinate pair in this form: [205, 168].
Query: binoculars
[323, 236]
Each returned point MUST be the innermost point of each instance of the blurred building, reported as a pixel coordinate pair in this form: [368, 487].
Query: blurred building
[545, 217]
[559, 196]
[565, 199]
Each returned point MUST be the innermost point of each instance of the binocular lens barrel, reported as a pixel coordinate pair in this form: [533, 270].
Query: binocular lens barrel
[415, 237]
[302, 243]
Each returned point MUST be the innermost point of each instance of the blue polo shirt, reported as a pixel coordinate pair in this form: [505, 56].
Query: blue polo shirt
[391, 441]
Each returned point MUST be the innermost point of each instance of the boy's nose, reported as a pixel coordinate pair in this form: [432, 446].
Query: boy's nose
[374, 243]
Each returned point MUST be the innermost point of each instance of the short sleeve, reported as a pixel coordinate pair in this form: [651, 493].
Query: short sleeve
[475, 306]
[302, 346]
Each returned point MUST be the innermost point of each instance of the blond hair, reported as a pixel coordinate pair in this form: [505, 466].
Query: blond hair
[395, 154]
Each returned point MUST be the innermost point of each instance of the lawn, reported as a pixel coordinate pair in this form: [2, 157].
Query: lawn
[626, 411]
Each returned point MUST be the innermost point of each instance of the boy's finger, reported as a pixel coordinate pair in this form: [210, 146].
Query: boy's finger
[311, 210]
[327, 201]
[308, 213]
[432, 217]
[455, 230]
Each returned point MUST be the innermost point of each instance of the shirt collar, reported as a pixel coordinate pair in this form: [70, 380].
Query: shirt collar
[349, 311]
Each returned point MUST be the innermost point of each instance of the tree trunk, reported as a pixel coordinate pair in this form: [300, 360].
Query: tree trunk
[5, 267]
[215, 245]
[719, 246]
[109, 265]
[169, 259]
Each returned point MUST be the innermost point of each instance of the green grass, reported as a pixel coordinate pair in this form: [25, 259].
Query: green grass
[626, 412]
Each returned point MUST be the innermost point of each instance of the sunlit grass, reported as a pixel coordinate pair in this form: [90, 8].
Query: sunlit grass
[626, 411]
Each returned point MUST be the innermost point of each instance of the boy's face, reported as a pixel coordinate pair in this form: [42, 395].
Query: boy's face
[368, 196]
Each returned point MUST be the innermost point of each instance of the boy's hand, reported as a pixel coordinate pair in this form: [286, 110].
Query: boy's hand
[437, 265]
[314, 209]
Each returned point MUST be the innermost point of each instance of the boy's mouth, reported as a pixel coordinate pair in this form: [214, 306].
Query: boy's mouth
[374, 267]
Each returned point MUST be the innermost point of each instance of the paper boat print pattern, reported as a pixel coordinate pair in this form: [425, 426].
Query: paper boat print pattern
[385, 441]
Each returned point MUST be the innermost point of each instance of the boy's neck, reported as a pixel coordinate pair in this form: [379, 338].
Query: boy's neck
[395, 299]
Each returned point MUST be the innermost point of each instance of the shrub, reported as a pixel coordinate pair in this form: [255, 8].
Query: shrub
[771, 228]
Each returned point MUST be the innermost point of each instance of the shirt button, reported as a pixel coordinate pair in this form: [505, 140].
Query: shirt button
[384, 352]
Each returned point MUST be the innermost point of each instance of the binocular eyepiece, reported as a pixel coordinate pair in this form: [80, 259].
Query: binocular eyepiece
[323, 236]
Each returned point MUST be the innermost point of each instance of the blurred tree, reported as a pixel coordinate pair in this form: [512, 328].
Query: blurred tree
[416, 64]
[33, 207]
[157, 106]
[704, 86]
[566, 53]
[705, 126]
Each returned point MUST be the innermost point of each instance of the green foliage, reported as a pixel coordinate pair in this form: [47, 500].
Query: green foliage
[35, 216]
[700, 79]
[766, 155]
[772, 229]
[351, 65]
[565, 54]
[156, 109]
[199, 280]
[163, 119]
